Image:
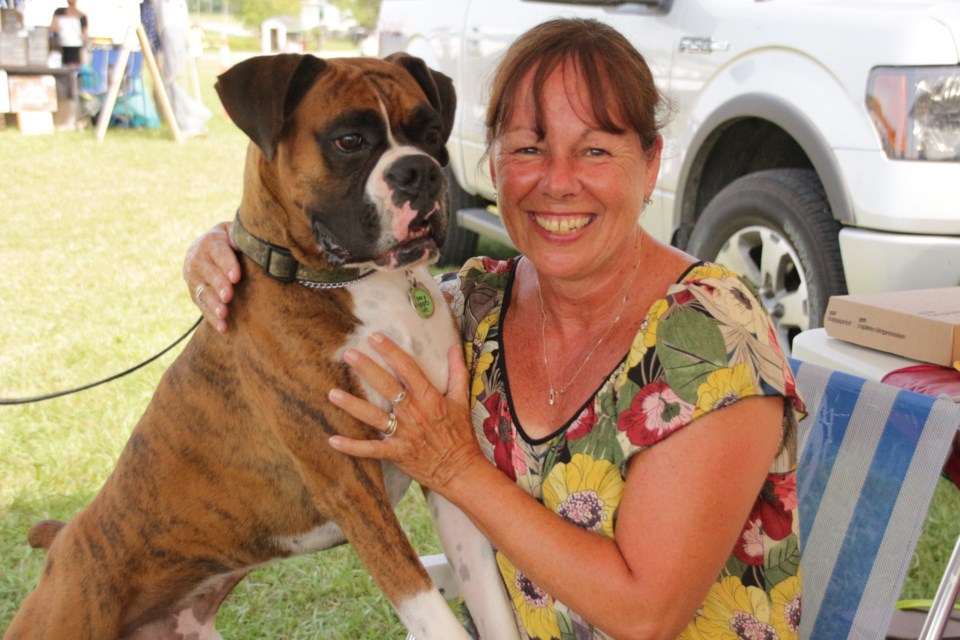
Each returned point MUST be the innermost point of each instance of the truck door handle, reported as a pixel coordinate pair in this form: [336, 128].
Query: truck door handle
[693, 44]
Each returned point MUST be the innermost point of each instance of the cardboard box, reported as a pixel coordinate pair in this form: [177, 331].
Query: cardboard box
[38, 47]
[35, 122]
[922, 325]
[13, 50]
[4, 93]
[32, 93]
[11, 20]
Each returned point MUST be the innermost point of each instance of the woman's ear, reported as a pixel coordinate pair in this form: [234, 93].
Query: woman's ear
[493, 171]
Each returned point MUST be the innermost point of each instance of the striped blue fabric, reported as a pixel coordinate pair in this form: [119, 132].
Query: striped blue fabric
[869, 459]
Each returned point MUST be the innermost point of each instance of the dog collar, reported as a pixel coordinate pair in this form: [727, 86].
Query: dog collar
[279, 263]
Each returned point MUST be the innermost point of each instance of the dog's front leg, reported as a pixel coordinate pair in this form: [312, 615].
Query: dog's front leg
[368, 522]
[475, 570]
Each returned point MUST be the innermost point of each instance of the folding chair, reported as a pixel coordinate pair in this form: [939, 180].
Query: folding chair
[93, 79]
[870, 457]
[93, 76]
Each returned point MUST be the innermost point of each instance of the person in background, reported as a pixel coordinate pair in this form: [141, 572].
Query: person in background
[173, 30]
[621, 421]
[68, 33]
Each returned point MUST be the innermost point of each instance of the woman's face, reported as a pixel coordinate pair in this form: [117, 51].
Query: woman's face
[570, 196]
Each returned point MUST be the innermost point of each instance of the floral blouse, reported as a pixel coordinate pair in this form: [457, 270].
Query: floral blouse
[704, 345]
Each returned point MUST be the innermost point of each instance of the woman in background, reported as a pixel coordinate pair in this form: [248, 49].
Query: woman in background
[68, 33]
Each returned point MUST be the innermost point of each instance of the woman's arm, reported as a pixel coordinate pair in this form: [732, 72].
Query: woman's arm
[684, 504]
[210, 270]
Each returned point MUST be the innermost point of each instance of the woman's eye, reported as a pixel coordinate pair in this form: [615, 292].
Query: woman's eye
[596, 152]
[350, 142]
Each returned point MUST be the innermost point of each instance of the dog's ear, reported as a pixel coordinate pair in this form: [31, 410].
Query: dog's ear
[437, 86]
[260, 93]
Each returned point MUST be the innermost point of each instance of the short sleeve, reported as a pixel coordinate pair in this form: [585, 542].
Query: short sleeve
[706, 344]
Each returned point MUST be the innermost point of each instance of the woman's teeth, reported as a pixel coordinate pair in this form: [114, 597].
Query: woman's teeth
[565, 224]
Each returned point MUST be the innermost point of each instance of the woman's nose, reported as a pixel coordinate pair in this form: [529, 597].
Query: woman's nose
[559, 177]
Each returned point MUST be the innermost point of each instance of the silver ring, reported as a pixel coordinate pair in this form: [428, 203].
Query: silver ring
[399, 398]
[391, 425]
[199, 292]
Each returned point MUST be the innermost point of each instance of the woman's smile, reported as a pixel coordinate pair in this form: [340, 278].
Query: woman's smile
[562, 225]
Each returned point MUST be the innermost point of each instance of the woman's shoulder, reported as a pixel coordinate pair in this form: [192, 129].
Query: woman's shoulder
[717, 291]
[703, 271]
[707, 343]
[712, 315]
[719, 315]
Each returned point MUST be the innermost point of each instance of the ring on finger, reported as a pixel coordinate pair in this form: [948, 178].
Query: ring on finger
[197, 293]
[399, 397]
[391, 425]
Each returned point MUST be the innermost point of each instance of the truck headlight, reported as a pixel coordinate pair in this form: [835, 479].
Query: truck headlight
[916, 111]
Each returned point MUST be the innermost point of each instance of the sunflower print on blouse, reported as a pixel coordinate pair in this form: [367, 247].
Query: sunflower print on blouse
[705, 344]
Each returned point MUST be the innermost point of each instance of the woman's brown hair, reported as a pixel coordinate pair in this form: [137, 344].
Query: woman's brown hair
[609, 64]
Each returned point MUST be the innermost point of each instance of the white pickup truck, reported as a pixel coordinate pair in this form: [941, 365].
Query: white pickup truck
[814, 146]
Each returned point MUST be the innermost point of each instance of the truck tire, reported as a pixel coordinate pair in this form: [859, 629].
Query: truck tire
[460, 243]
[775, 229]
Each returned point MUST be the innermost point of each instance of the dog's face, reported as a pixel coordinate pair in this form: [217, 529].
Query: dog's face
[348, 154]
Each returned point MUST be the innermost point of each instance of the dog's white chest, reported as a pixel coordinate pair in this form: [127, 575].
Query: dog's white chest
[384, 303]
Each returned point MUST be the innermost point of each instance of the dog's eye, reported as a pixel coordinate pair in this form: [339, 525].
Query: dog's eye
[351, 142]
[432, 137]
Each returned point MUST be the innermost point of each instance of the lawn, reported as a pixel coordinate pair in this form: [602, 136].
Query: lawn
[92, 238]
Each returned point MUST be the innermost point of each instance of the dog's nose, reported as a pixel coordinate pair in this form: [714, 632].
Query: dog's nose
[415, 175]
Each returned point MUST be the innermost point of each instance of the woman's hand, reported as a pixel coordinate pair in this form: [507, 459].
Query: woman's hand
[433, 439]
[210, 270]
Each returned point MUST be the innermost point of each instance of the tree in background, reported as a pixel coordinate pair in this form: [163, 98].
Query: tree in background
[364, 11]
[254, 12]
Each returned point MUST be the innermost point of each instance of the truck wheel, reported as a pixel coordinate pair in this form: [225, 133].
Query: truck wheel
[460, 243]
[775, 229]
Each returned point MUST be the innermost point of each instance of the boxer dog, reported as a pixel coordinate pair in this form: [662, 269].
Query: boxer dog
[344, 203]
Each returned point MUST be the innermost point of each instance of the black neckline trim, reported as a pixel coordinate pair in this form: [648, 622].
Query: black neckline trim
[502, 362]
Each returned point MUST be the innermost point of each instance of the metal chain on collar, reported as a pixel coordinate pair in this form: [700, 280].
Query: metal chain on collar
[310, 284]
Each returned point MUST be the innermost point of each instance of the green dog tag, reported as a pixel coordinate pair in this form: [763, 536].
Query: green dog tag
[422, 301]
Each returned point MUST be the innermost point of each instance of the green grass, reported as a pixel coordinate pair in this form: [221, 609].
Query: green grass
[92, 238]
[939, 536]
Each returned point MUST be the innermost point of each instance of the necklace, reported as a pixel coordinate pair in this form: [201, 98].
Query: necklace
[552, 397]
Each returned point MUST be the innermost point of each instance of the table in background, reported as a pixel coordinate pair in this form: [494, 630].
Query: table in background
[67, 87]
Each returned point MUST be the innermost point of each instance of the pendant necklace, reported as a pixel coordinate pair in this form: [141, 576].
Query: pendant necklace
[552, 397]
[420, 297]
